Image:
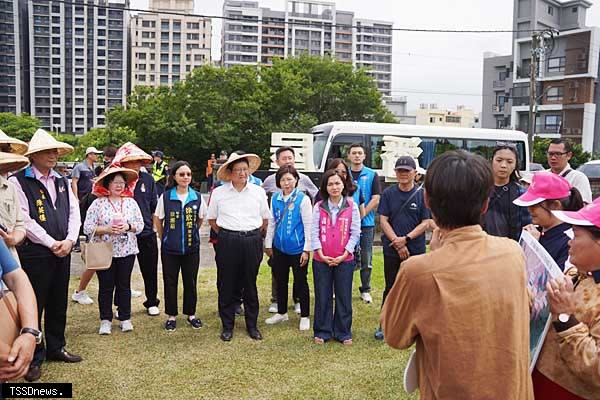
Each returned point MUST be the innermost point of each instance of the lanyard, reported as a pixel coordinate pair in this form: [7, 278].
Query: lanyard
[115, 208]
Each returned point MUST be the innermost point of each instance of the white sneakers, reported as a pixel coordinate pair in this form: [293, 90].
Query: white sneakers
[304, 324]
[273, 308]
[297, 308]
[105, 327]
[277, 318]
[135, 293]
[126, 326]
[153, 311]
[82, 298]
[366, 297]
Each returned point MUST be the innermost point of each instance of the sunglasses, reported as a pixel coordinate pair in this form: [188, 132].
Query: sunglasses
[184, 174]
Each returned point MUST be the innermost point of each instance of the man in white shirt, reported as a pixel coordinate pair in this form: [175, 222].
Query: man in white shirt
[239, 213]
[559, 153]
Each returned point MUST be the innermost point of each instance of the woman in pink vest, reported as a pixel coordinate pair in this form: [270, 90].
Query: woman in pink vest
[335, 233]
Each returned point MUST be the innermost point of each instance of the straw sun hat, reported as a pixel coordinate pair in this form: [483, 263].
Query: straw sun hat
[130, 175]
[42, 140]
[130, 152]
[224, 174]
[16, 146]
[10, 162]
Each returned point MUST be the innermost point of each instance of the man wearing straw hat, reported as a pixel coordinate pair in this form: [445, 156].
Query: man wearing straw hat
[52, 220]
[238, 211]
[12, 227]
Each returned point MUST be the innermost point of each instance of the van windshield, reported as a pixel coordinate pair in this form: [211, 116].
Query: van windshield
[319, 143]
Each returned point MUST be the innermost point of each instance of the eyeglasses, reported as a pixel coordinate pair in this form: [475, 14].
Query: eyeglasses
[184, 174]
[556, 153]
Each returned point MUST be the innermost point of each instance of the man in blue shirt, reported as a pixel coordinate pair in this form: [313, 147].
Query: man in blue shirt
[404, 219]
[368, 182]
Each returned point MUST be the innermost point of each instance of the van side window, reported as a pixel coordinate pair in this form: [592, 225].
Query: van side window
[433, 147]
[340, 146]
[375, 145]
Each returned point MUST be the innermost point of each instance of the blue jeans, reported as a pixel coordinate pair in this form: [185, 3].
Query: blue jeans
[366, 258]
[327, 322]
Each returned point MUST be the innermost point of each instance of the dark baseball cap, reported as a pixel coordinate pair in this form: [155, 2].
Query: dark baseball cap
[406, 162]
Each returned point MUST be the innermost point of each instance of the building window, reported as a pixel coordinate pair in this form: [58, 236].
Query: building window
[141, 56]
[193, 25]
[142, 78]
[432, 120]
[141, 67]
[176, 26]
[452, 120]
[556, 64]
[555, 93]
[574, 9]
[552, 123]
[198, 57]
[164, 25]
[550, 10]
[164, 79]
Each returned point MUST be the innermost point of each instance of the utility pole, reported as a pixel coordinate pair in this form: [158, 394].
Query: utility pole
[533, 68]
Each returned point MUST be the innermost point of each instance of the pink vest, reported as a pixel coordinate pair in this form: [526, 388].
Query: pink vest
[334, 238]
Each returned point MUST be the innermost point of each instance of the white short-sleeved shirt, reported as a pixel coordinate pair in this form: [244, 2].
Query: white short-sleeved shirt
[239, 211]
[579, 181]
[160, 206]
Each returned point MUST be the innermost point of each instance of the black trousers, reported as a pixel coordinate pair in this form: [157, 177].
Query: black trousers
[188, 264]
[148, 260]
[281, 268]
[49, 277]
[391, 266]
[295, 294]
[116, 281]
[238, 258]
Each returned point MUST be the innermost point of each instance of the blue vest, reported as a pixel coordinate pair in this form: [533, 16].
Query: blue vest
[289, 229]
[180, 226]
[365, 183]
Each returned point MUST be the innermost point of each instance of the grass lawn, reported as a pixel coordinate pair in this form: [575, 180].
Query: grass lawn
[150, 363]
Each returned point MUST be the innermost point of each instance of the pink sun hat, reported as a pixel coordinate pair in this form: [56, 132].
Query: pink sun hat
[587, 216]
[544, 186]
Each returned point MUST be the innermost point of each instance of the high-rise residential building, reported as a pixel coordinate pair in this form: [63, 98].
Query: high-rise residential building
[255, 35]
[566, 88]
[374, 51]
[10, 65]
[166, 47]
[75, 59]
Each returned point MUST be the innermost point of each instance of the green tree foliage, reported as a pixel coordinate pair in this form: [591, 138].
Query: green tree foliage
[100, 138]
[540, 146]
[19, 126]
[237, 108]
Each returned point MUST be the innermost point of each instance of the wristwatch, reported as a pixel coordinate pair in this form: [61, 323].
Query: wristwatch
[36, 334]
[564, 318]
[407, 238]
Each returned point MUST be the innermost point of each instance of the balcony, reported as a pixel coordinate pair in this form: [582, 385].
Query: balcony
[541, 128]
[499, 84]
[498, 108]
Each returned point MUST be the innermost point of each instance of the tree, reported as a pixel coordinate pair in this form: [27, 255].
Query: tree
[19, 126]
[100, 138]
[238, 108]
[540, 146]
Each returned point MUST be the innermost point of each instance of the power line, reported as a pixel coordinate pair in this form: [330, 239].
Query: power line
[288, 23]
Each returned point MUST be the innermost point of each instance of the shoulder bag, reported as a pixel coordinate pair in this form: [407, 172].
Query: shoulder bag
[97, 256]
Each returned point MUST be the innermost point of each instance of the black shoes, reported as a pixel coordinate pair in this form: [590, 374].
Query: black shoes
[65, 356]
[34, 373]
[254, 334]
[226, 335]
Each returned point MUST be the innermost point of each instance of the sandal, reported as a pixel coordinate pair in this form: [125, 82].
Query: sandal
[319, 340]
[347, 342]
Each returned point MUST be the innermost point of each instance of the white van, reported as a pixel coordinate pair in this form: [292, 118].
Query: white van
[332, 140]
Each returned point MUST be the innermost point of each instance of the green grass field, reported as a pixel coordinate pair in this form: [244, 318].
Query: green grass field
[150, 363]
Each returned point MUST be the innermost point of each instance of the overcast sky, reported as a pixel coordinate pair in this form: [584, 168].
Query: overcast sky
[441, 68]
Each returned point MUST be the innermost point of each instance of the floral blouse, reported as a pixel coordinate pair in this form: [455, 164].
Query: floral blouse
[101, 213]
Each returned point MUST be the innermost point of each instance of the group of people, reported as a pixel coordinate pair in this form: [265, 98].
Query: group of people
[461, 303]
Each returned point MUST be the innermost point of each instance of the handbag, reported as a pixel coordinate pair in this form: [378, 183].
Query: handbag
[97, 256]
[10, 323]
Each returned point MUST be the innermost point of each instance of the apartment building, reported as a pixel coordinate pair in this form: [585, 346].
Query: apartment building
[11, 83]
[256, 35]
[566, 88]
[75, 61]
[165, 48]
[430, 114]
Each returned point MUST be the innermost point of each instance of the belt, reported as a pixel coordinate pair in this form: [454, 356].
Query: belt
[241, 233]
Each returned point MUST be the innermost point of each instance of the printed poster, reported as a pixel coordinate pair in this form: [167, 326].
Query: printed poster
[541, 267]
